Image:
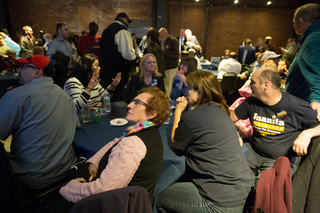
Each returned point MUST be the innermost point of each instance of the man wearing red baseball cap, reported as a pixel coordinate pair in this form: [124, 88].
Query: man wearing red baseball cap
[41, 118]
[42, 67]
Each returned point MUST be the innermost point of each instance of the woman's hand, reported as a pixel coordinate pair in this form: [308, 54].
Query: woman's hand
[115, 81]
[181, 104]
[182, 77]
[93, 170]
[93, 81]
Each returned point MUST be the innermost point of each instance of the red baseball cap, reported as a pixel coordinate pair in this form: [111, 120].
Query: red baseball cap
[42, 62]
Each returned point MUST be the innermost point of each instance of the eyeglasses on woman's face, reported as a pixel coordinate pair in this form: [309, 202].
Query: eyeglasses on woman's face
[137, 102]
[137, 111]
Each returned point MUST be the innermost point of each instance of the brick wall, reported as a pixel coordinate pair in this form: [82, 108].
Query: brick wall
[230, 25]
[44, 14]
[226, 28]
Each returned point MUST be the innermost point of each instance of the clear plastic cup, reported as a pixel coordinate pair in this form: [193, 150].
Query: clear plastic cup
[85, 113]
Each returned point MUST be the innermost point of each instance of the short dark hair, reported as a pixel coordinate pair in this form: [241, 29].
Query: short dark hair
[93, 23]
[159, 103]
[267, 41]
[154, 34]
[37, 50]
[59, 26]
[271, 75]
[308, 12]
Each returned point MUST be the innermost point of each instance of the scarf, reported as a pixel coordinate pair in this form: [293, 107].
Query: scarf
[137, 127]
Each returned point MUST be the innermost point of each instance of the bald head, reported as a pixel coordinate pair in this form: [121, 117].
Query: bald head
[233, 55]
[268, 74]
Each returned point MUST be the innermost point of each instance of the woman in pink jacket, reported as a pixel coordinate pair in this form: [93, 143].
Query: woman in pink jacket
[134, 159]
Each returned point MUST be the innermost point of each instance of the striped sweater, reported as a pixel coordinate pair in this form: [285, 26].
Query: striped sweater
[75, 89]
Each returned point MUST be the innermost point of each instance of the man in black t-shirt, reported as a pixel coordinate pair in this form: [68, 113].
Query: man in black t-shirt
[279, 120]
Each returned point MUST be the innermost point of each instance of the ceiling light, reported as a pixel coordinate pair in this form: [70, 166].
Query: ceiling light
[236, 1]
[269, 2]
[197, 0]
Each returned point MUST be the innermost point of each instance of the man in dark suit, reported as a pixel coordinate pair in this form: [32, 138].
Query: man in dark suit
[246, 53]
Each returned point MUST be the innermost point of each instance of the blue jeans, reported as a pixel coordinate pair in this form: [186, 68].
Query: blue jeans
[184, 197]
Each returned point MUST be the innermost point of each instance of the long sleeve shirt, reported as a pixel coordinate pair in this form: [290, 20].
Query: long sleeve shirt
[171, 53]
[12, 45]
[60, 45]
[123, 163]
[75, 89]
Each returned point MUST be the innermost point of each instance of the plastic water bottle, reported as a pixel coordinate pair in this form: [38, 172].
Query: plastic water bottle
[106, 104]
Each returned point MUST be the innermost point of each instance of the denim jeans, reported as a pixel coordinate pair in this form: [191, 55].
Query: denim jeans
[184, 197]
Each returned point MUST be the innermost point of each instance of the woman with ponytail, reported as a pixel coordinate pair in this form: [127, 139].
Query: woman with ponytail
[217, 177]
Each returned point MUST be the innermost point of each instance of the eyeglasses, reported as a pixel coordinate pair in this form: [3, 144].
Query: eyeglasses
[28, 65]
[138, 102]
[66, 29]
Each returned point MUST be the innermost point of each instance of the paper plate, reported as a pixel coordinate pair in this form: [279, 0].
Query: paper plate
[118, 122]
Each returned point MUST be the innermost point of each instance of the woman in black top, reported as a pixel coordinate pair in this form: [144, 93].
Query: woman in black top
[217, 177]
[148, 76]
